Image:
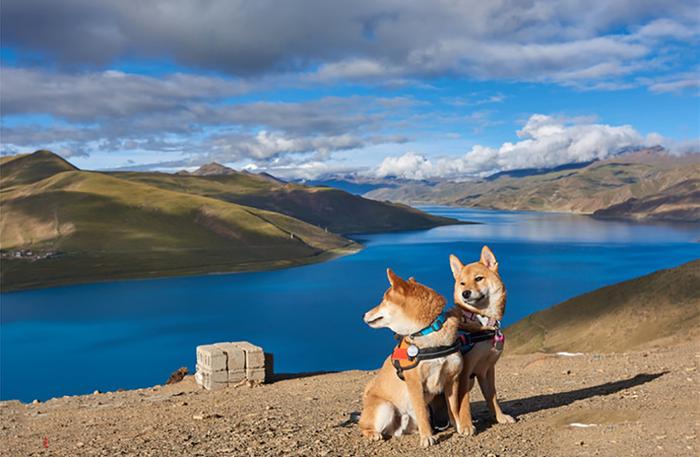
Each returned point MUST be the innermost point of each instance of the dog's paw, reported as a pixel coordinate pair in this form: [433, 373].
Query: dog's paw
[505, 419]
[372, 435]
[427, 440]
[467, 430]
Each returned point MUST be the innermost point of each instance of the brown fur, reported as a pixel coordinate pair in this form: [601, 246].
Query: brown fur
[392, 406]
[482, 280]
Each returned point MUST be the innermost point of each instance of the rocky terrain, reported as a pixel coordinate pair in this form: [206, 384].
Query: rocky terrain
[641, 403]
[680, 202]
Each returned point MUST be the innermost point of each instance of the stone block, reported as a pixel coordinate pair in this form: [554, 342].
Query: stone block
[236, 376]
[235, 355]
[211, 380]
[255, 374]
[254, 355]
[211, 358]
[222, 364]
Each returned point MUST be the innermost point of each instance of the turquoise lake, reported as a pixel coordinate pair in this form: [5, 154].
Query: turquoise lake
[127, 334]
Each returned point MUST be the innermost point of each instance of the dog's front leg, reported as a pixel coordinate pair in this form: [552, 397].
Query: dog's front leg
[487, 383]
[465, 412]
[452, 395]
[420, 406]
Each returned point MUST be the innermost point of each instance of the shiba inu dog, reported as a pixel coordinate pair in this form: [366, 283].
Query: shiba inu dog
[426, 363]
[481, 296]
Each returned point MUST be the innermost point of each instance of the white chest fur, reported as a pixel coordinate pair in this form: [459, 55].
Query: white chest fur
[436, 372]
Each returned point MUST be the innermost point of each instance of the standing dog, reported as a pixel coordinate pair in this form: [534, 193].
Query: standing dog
[481, 296]
[427, 362]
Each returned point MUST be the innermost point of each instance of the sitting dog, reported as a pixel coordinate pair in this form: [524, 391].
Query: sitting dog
[481, 296]
[426, 363]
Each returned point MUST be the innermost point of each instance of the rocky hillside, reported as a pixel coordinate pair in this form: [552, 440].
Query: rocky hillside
[680, 202]
[649, 177]
[657, 309]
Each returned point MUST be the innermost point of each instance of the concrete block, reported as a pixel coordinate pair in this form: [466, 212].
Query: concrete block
[255, 374]
[236, 376]
[211, 381]
[211, 358]
[254, 355]
[222, 364]
[235, 355]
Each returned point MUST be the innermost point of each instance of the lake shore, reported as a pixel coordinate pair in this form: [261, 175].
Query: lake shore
[633, 403]
[214, 269]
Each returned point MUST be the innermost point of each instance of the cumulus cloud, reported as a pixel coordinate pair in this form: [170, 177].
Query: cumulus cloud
[87, 97]
[545, 141]
[358, 40]
[115, 111]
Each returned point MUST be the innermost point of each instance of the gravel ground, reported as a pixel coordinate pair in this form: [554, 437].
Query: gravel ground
[643, 403]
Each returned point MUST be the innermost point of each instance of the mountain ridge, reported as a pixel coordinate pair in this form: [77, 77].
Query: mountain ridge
[60, 225]
[596, 186]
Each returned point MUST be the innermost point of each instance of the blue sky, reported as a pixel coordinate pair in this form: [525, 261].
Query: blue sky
[308, 88]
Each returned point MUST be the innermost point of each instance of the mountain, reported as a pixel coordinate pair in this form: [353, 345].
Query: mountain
[654, 309]
[584, 190]
[59, 224]
[353, 183]
[680, 202]
[213, 169]
[29, 168]
[326, 207]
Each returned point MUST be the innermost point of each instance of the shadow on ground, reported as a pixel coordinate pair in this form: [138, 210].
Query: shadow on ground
[536, 403]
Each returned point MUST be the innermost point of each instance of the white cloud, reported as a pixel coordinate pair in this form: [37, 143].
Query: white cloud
[532, 40]
[545, 141]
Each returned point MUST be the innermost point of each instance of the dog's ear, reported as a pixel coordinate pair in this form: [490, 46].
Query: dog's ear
[394, 279]
[455, 265]
[488, 259]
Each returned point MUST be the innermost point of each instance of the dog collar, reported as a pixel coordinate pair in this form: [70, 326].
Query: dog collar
[433, 327]
[491, 322]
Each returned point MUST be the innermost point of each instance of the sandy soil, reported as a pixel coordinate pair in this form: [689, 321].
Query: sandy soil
[642, 403]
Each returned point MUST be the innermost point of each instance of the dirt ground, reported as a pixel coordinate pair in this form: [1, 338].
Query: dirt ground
[643, 403]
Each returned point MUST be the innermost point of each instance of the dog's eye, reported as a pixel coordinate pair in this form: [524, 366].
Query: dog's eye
[461, 283]
[478, 278]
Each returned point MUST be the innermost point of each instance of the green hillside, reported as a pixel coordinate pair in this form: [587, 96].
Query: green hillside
[659, 307]
[29, 168]
[76, 226]
[61, 225]
[326, 207]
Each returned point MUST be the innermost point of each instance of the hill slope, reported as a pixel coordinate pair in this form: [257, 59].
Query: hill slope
[29, 168]
[584, 190]
[59, 224]
[680, 202]
[82, 226]
[332, 209]
[664, 305]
